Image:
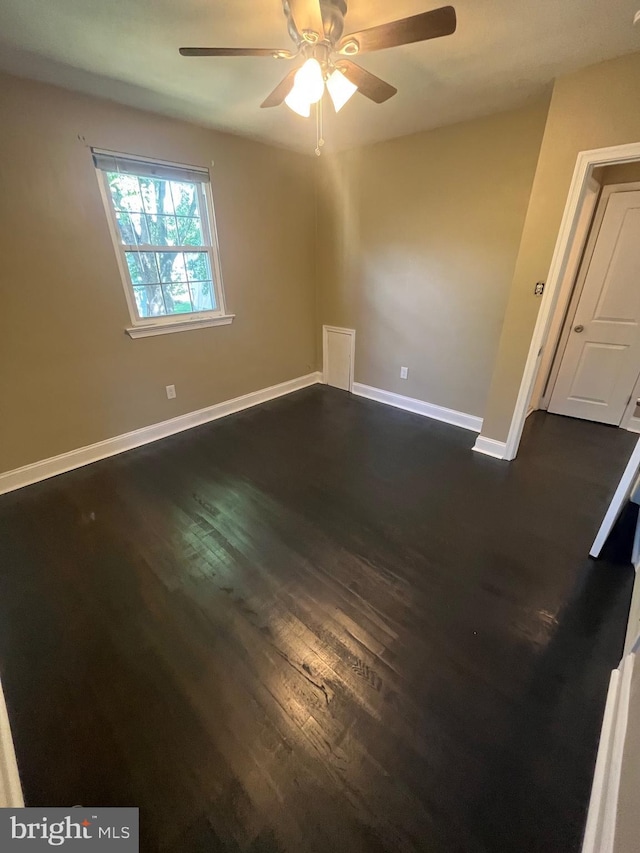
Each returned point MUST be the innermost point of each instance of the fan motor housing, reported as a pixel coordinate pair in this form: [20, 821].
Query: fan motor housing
[333, 12]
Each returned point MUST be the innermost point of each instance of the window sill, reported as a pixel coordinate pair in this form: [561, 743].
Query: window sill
[184, 326]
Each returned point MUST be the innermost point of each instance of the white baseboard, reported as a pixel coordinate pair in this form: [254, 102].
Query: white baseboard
[419, 407]
[633, 425]
[490, 447]
[10, 788]
[36, 471]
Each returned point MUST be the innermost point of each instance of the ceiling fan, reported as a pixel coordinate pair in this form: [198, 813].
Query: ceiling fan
[316, 28]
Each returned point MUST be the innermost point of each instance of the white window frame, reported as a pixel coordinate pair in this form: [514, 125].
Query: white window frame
[142, 327]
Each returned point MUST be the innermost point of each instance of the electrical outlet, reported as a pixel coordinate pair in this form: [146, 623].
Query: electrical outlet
[171, 392]
[404, 373]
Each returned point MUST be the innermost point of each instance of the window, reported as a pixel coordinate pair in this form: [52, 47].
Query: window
[162, 224]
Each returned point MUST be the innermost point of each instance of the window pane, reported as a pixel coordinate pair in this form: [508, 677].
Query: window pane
[171, 266]
[198, 266]
[156, 195]
[189, 231]
[149, 301]
[185, 199]
[133, 228]
[125, 192]
[142, 267]
[202, 296]
[177, 298]
[163, 230]
[168, 216]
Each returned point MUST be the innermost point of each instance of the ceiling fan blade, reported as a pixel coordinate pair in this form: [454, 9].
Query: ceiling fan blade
[281, 91]
[307, 15]
[229, 51]
[428, 25]
[368, 84]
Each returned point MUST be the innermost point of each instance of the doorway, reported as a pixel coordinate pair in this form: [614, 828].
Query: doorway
[597, 362]
[569, 244]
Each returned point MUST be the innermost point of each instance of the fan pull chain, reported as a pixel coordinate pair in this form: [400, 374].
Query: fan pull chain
[319, 128]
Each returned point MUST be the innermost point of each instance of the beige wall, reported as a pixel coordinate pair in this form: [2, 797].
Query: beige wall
[593, 108]
[69, 375]
[417, 243]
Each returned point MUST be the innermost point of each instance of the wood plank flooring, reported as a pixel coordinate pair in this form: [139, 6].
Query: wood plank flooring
[319, 625]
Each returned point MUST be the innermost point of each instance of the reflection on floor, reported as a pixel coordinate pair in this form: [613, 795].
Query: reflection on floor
[321, 624]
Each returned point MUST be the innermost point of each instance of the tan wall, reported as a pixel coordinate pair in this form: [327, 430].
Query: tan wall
[418, 239]
[69, 375]
[593, 108]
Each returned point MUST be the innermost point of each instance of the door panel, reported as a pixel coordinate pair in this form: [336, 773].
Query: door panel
[338, 360]
[601, 361]
[597, 372]
[618, 303]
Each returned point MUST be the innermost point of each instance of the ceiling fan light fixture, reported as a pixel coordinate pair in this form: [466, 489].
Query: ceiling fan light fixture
[316, 28]
[340, 89]
[308, 88]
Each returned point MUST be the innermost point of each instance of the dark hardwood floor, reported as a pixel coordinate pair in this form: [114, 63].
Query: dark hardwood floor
[319, 625]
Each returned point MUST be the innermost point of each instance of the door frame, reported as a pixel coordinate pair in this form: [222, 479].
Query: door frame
[556, 353]
[588, 224]
[325, 352]
[578, 192]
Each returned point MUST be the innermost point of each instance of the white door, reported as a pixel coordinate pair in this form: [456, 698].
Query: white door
[338, 356]
[601, 361]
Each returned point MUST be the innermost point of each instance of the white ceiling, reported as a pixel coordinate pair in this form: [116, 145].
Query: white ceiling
[503, 53]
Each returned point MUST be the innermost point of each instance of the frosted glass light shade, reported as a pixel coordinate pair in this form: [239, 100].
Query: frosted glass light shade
[308, 88]
[297, 102]
[340, 89]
